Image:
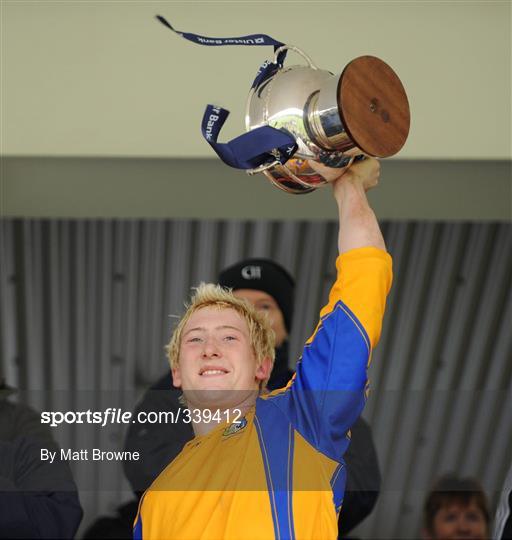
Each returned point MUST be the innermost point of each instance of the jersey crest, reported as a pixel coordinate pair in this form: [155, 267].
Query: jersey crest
[235, 427]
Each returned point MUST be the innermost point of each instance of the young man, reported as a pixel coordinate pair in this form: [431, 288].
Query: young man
[456, 508]
[271, 289]
[277, 471]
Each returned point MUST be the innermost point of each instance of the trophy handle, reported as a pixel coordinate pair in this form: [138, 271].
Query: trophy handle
[311, 64]
[254, 89]
[262, 168]
[298, 51]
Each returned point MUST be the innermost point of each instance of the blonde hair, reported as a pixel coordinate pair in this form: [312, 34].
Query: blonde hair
[261, 335]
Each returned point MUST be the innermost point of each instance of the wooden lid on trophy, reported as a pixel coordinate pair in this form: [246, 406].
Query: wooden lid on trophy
[373, 106]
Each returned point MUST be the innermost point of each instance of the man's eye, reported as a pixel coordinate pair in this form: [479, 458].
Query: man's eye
[230, 338]
[193, 340]
[265, 307]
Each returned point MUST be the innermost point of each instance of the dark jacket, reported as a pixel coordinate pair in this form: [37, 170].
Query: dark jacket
[37, 499]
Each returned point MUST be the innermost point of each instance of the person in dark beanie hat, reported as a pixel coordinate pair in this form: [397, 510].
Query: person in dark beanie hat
[266, 276]
[270, 288]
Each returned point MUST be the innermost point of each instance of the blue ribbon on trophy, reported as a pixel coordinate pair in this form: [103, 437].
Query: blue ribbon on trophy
[258, 146]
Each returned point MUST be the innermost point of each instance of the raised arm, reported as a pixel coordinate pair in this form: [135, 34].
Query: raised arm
[328, 391]
[358, 224]
[361, 285]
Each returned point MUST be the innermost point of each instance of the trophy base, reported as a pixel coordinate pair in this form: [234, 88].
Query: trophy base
[373, 106]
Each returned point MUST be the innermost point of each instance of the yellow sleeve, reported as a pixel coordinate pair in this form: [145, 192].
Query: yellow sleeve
[363, 283]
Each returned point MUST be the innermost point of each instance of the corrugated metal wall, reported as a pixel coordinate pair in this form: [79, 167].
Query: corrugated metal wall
[86, 311]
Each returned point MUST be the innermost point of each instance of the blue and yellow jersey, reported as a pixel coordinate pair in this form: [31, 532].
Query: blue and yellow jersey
[279, 473]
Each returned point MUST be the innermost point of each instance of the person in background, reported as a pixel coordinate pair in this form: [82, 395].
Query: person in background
[37, 499]
[456, 508]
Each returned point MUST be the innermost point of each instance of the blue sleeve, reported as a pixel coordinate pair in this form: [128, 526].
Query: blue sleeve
[327, 393]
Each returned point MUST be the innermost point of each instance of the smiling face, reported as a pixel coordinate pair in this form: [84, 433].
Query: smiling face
[217, 364]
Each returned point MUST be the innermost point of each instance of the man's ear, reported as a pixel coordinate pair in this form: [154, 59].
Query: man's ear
[264, 369]
[176, 377]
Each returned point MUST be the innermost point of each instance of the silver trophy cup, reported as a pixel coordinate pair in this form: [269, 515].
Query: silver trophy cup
[334, 119]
